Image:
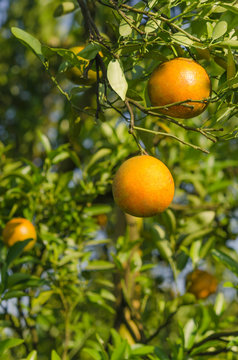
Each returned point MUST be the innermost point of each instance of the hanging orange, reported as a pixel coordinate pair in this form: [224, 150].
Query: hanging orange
[143, 186]
[178, 80]
[19, 229]
[201, 283]
[76, 74]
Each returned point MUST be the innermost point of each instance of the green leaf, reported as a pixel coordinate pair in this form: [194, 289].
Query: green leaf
[208, 344]
[102, 345]
[97, 156]
[152, 25]
[43, 297]
[32, 355]
[194, 251]
[90, 51]
[65, 8]
[132, 94]
[16, 250]
[190, 331]
[233, 9]
[54, 355]
[98, 300]
[107, 295]
[13, 294]
[30, 41]
[99, 265]
[152, 3]
[226, 43]
[93, 353]
[9, 343]
[231, 65]
[160, 353]
[98, 209]
[17, 278]
[4, 277]
[115, 337]
[45, 141]
[124, 28]
[117, 78]
[182, 39]
[140, 350]
[226, 260]
[198, 234]
[220, 304]
[60, 157]
[119, 352]
[219, 29]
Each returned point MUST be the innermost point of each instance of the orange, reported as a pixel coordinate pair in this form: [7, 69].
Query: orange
[102, 220]
[178, 80]
[75, 74]
[201, 283]
[143, 186]
[19, 229]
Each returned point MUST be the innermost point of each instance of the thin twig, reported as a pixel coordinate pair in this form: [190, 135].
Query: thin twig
[216, 336]
[131, 128]
[173, 137]
[215, 352]
[152, 336]
[176, 122]
[151, 14]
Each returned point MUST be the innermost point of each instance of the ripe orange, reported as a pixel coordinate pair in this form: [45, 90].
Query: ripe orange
[75, 74]
[177, 80]
[19, 229]
[143, 186]
[201, 283]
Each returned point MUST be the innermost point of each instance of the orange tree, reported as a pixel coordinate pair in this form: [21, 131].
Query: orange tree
[116, 289]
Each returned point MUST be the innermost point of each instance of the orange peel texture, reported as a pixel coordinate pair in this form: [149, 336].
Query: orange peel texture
[178, 80]
[19, 229]
[143, 186]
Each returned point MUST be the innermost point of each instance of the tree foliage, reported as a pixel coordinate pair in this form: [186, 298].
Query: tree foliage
[100, 284]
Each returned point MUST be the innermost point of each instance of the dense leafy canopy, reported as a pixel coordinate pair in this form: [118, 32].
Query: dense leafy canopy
[100, 284]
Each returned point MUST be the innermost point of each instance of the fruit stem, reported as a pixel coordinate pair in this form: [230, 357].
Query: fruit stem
[132, 127]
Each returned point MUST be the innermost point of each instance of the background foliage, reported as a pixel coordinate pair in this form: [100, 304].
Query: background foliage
[99, 284]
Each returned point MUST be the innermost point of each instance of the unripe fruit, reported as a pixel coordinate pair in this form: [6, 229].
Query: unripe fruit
[143, 186]
[201, 284]
[19, 229]
[178, 80]
[75, 74]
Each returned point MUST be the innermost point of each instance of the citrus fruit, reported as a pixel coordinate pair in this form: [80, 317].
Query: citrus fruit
[76, 74]
[178, 80]
[201, 283]
[19, 229]
[102, 220]
[143, 186]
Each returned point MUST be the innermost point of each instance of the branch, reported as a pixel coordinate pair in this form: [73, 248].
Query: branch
[89, 23]
[215, 352]
[181, 207]
[173, 137]
[151, 337]
[176, 122]
[216, 336]
[162, 18]
[127, 20]
[131, 128]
